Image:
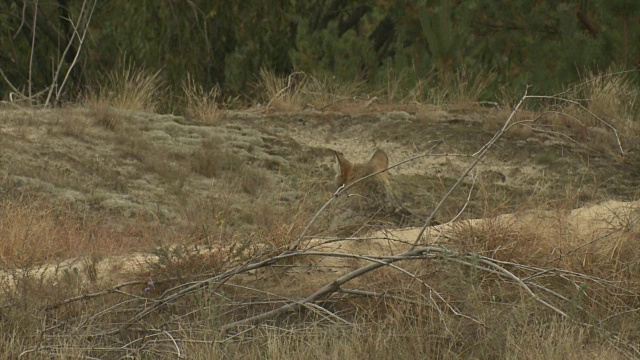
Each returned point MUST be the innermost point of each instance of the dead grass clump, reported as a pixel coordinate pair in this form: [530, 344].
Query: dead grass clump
[201, 104]
[33, 235]
[205, 163]
[253, 180]
[612, 96]
[406, 331]
[592, 109]
[211, 161]
[171, 167]
[330, 94]
[555, 339]
[466, 88]
[209, 219]
[36, 231]
[131, 88]
[75, 125]
[394, 84]
[399, 333]
[172, 171]
[499, 238]
[134, 145]
[282, 93]
[598, 113]
[596, 241]
[299, 91]
[280, 225]
[106, 116]
[459, 88]
[186, 262]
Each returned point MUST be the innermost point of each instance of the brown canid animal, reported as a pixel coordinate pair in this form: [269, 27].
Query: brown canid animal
[372, 196]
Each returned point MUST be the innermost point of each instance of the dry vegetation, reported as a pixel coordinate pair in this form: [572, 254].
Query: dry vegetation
[136, 235]
[201, 104]
[132, 88]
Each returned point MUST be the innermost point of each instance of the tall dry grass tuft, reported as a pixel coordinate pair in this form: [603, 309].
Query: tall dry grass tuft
[595, 241]
[201, 104]
[282, 93]
[406, 332]
[328, 92]
[611, 96]
[36, 232]
[131, 88]
[299, 91]
[29, 235]
[605, 102]
[394, 84]
[464, 87]
[459, 88]
[599, 113]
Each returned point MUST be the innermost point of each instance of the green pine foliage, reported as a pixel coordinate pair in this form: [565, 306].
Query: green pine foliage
[326, 54]
[224, 44]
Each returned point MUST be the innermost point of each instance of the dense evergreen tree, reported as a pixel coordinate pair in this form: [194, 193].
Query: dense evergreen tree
[546, 43]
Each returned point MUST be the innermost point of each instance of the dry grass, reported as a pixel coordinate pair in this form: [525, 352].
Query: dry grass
[465, 88]
[36, 231]
[400, 318]
[211, 160]
[131, 88]
[282, 93]
[251, 180]
[106, 116]
[460, 88]
[612, 96]
[590, 111]
[441, 305]
[593, 243]
[331, 94]
[598, 114]
[75, 125]
[300, 91]
[201, 104]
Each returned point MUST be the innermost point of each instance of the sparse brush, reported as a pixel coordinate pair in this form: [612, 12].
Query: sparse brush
[252, 180]
[299, 91]
[106, 116]
[75, 125]
[212, 161]
[460, 88]
[227, 281]
[465, 87]
[131, 88]
[394, 83]
[282, 93]
[610, 100]
[612, 96]
[30, 235]
[201, 104]
[184, 262]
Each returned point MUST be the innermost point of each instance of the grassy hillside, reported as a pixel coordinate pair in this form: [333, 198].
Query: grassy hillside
[128, 233]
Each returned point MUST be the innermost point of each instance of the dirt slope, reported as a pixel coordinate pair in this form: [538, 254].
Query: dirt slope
[236, 176]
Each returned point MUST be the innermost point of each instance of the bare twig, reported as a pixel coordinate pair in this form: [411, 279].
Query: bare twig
[6, 79]
[479, 156]
[81, 297]
[289, 85]
[613, 129]
[84, 12]
[33, 44]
